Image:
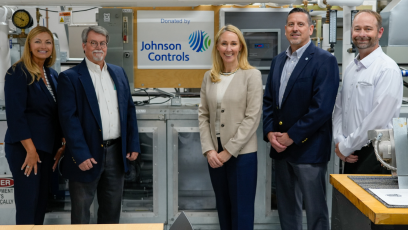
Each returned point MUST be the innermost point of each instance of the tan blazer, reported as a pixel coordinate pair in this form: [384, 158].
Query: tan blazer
[241, 109]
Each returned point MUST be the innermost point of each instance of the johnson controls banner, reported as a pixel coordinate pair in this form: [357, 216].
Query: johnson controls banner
[174, 39]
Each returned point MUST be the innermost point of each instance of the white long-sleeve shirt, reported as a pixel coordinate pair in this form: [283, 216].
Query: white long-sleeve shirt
[107, 99]
[370, 98]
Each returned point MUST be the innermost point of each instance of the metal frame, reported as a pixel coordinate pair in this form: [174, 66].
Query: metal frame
[204, 218]
[159, 180]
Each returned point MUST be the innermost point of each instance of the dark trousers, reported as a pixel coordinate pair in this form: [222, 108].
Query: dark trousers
[235, 186]
[296, 183]
[109, 187]
[367, 163]
[30, 193]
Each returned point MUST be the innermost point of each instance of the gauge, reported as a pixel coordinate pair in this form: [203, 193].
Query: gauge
[333, 27]
[22, 19]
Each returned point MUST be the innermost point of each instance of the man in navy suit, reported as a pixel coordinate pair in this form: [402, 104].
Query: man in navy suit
[98, 119]
[298, 103]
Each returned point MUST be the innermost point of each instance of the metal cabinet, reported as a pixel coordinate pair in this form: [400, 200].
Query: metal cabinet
[144, 192]
[189, 184]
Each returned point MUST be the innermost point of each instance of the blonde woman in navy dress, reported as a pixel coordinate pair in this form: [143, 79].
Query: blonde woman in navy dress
[33, 136]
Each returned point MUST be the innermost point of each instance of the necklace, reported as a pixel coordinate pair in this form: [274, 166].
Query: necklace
[229, 73]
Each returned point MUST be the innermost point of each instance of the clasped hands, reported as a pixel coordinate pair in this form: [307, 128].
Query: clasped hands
[88, 164]
[279, 141]
[349, 159]
[217, 160]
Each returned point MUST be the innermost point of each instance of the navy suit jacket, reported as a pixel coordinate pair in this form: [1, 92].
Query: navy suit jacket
[307, 105]
[31, 110]
[81, 120]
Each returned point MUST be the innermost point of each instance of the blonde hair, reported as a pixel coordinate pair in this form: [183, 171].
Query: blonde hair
[27, 59]
[218, 64]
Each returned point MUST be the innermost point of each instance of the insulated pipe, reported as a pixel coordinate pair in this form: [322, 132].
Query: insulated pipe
[286, 2]
[321, 4]
[345, 2]
[5, 60]
[325, 43]
[347, 57]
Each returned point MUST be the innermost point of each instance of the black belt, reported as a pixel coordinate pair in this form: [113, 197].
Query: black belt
[108, 143]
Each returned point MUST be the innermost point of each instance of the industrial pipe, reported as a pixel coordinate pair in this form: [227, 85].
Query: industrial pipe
[345, 2]
[5, 60]
[321, 4]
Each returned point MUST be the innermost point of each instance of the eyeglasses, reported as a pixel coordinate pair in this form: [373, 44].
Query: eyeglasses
[94, 44]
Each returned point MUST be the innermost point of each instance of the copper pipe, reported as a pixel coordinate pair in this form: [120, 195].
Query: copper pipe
[38, 16]
[328, 13]
[305, 5]
[46, 17]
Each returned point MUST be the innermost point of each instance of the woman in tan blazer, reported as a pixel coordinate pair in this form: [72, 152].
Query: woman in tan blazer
[229, 115]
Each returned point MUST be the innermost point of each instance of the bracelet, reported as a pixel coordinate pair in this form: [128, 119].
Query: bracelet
[63, 143]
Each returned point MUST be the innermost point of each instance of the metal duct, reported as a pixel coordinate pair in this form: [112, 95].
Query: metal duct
[345, 2]
[131, 3]
[394, 21]
[136, 3]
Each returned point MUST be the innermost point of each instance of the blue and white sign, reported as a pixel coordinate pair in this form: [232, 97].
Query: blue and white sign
[174, 39]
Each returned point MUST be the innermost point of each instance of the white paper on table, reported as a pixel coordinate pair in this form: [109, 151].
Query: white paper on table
[392, 196]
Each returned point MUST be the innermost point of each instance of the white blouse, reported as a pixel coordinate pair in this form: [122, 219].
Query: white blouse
[221, 88]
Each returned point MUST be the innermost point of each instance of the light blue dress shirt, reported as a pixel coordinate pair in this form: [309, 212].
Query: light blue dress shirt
[290, 65]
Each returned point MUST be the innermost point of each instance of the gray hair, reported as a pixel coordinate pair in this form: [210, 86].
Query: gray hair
[96, 29]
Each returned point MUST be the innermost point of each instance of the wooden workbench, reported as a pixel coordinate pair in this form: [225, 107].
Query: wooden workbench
[368, 205]
[85, 227]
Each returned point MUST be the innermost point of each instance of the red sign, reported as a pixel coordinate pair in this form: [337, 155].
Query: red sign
[6, 182]
[64, 14]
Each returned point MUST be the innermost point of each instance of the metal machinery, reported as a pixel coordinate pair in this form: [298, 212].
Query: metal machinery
[119, 23]
[390, 147]
[264, 32]
[263, 45]
[393, 41]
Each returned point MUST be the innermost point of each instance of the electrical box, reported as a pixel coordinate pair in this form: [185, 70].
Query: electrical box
[119, 23]
[263, 45]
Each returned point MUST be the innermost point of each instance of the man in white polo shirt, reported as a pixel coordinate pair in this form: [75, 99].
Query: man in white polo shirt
[370, 98]
[98, 119]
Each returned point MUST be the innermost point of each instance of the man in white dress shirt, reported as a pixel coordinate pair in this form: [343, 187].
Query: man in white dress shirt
[370, 98]
[98, 119]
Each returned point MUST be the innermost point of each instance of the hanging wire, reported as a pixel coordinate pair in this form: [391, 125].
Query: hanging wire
[75, 11]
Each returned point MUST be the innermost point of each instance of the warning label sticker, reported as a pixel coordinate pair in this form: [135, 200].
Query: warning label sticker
[65, 17]
[6, 192]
